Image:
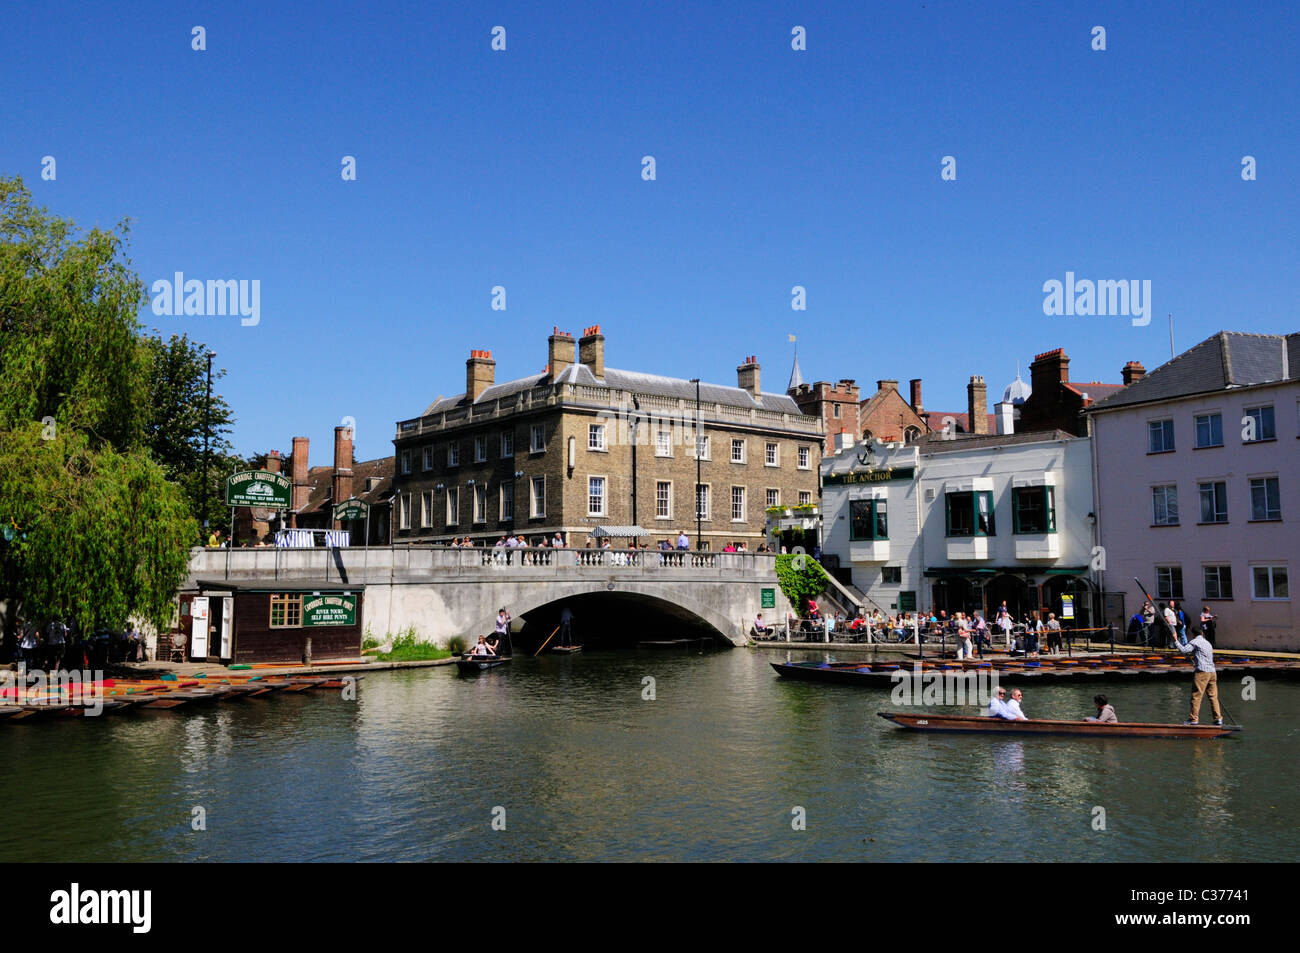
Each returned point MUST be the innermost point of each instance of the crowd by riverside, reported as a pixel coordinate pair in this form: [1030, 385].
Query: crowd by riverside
[61, 643]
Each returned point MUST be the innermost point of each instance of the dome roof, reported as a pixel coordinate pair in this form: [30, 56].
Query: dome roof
[1017, 392]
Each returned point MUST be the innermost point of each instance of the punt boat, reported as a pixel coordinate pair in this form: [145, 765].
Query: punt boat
[479, 663]
[921, 721]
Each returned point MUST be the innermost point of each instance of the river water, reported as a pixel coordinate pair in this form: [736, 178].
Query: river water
[576, 764]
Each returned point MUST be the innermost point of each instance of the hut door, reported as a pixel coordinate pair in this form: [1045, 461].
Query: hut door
[227, 622]
[199, 631]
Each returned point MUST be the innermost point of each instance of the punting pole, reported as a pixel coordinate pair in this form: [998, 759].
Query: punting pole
[548, 638]
[1159, 613]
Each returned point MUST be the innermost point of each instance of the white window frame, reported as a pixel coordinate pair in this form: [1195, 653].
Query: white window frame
[406, 462]
[596, 438]
[805, 498]
[426, 457]
[603, 495]
[666, 499]
[742, 444]
[1169, 593]
[805, 458]
[743, 517]
[772, 496]
[1271, 569]
[1266, 518]
[426, 509]
[453, 453]
[534, 510]
[537, 438]
[1217, 569]
[704, 495]
[507, 489]
[452, 505]
[1213, 486]
[663, 443]
[404, 511]
[1161, 422]
[1155, 494]
[480, 448]
[1258, 412]
[772, 455]
[507, 444]
[1196, 429]
[480, 503]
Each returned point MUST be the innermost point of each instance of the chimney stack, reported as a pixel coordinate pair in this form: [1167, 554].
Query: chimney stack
[298, 473]
[342, 466]
[916, 395]
[1048, 372]
[887, 385]
[1133, 372]
[561, 352]
[977, 413]
[591, 350]
[273, 462]
[480, 373]
[747, 376]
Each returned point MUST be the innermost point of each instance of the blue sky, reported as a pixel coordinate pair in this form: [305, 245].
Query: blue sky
[775, 168]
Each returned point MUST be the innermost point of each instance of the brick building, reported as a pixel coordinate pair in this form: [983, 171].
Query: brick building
[584, 445]
[886, 416]
[1057, 403]
[837, 405]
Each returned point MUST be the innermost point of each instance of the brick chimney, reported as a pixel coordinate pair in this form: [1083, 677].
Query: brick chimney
[1133, 372]
[886, 385]
[272, 462]
[916, 395]
[298, 473]
[561, 352]
[747, 376]
[977, 404]
[480, 373]
[591, 350]
[1048, 372]
[342, 465]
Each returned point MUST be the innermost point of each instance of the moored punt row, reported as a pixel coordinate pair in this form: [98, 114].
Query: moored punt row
[156, 694]
[925, 721]
[1087, 668]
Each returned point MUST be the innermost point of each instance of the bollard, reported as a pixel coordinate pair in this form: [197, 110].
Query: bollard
[306, 651]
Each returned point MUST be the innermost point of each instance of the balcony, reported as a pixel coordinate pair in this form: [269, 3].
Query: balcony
[869, 551]
[1038, 546]
[968, 547]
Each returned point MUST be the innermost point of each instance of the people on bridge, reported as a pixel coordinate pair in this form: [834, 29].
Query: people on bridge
[683, 541]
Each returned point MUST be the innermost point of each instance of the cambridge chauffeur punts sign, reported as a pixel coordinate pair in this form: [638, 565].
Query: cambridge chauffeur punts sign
[329, 608]
[351, 510]
[885, 475]
[260, 488]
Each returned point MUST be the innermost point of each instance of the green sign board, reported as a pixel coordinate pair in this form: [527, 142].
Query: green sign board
[329, 608]
[869, 476]
[907, 601]
[260, 488]
[351, 510]
[769, 599]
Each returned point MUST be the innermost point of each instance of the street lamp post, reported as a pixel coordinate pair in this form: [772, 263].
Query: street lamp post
[699, 446]
[207, 414]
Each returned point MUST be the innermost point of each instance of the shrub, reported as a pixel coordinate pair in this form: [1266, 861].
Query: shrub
[800, 584]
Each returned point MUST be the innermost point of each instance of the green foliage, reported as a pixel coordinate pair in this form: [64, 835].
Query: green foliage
[407, 648]
[98, 531]
[457, 645]
[800, 584]
[181, 411]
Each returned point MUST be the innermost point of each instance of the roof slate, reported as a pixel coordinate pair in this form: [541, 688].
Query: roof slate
[1223, 360]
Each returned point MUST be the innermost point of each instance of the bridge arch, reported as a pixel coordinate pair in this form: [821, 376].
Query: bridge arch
[679, 604]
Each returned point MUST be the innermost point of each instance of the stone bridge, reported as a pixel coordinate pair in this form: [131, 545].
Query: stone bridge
[443, 591]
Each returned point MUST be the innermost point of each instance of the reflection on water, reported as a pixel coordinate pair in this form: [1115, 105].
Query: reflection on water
[585, 768]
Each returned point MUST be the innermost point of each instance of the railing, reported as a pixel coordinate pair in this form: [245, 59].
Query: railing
[361, 564]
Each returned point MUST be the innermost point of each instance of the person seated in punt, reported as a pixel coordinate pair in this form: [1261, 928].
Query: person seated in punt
[1105, 711]
[997, 704]
[1011, 711]
[481, 648]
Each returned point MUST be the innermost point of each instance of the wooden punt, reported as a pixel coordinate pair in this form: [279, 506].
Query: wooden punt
[473, 664]
[1043, 726]
[566, 649]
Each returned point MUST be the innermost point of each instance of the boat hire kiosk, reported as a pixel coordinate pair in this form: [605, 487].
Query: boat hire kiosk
[237, 621]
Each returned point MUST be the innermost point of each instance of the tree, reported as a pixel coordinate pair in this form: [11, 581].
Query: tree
[96, 531]
[174, 431]
[801, 578]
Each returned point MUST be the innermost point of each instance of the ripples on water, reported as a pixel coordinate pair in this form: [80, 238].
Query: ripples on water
[585, 769]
